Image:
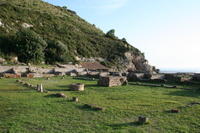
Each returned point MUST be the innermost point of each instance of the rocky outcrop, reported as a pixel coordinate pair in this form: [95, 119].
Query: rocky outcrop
[26, 25]
[136, 63]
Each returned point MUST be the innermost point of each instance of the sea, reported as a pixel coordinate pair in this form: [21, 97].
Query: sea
[179, 70]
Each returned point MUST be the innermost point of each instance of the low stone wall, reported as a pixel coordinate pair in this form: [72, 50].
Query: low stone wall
[33, 72]
[173, 77]
[93, 74]
[178, 77]
[17, 69]
[186, 79]
[157, 76]
[104, 74]
[196, 77]
[8, 75]
[38, 75]
[83, 73]
[135, 76]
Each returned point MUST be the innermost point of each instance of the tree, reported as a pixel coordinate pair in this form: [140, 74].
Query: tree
[56, 51]
[111, 34]
[7, 45]
[124, 40]
[65, 7]
[29, 46]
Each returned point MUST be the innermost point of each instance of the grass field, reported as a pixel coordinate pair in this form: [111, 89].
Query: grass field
[23, 110]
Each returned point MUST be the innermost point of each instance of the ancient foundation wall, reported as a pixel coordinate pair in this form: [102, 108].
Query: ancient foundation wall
[111, 81]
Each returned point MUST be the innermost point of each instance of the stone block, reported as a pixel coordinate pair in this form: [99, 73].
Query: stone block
[111, 81]
[77, 87]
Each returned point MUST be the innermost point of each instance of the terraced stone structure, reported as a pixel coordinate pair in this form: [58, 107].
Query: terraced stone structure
[111, 81]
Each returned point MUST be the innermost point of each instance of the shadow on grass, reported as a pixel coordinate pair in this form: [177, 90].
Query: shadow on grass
[56, 95]
[88, 107]
[61, 88]
[58, 90]
[82, 107]
[92, 85]
[67, 87]
[146, 84]
[122, 125]
[51, 96]
[186, 93]
[169, 83]
[15, 90]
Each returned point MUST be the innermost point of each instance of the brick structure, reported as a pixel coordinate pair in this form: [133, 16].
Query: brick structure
[111, 81]
[94, 66]
[8, 75]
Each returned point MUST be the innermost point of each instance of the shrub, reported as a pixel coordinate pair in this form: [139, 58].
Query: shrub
[124, 40]
[6, 45]
[29, 46]
[65, 7]
[111, 34]
[56, 51]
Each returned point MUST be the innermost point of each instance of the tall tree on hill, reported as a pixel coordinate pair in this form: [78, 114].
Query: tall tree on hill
[111, 34]
[29, 46]
[55, 52]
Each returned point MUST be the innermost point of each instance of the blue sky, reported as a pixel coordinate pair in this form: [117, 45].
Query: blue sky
[167, 31]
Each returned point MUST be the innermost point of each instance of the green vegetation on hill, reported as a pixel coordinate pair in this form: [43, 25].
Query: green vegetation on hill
[23, 110]
[29, 46]
[58, 24]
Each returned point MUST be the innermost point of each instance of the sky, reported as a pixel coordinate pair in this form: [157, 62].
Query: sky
[167, 31]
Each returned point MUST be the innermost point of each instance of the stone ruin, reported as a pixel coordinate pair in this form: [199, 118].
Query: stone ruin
[196, 77]
[40, 88]
[132, 76]
[38, 72]
[77, 87]
[75, 99]
[111, 81]
[143, 120]
[161, 77]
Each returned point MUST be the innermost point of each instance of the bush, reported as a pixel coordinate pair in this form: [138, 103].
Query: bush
[56, 51]
[65, 7]
[124, 40]
[29, 46]
[6, 45]
[111, 34]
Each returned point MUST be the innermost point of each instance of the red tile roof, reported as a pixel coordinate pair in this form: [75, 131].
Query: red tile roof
[93, 66]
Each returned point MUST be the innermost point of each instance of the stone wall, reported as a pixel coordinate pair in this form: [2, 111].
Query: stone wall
[173, 77]
[196, 77]
[157, 76]
[32, 71]
[38, 75]
[18, 69]
[179, 77]
[8, 75]
[135, 76]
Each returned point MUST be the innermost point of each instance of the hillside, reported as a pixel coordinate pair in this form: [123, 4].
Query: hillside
[80, 39]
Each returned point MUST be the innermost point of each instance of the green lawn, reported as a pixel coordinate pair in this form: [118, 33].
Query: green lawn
[25, 110]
